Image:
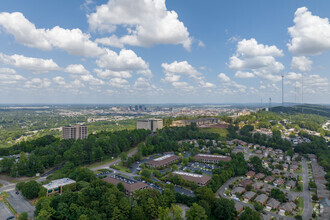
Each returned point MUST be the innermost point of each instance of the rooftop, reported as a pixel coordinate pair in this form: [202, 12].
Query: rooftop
[58, 183]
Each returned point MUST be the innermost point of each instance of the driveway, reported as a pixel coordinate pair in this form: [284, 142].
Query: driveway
[4, 211]
[20, 204]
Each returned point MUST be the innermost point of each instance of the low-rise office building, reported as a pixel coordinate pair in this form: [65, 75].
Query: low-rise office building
[201, 180]
[56, 186]
[163, 161]
[130, 185]
[209, 158]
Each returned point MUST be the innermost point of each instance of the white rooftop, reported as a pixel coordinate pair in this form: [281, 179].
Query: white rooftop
[211, 155]
[57, 183]
[188, 174]
[163, 157]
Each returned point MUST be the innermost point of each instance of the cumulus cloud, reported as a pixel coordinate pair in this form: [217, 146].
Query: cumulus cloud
[119, 83]
[105, 74]
[147, 23]
[36, 65]
[37, 83]
[74, 41]
[76, 69]
[126, 60]
[9, 76]
[294, 76]
[254, 59]
[301, 63]
[310, 34]
[230, 86]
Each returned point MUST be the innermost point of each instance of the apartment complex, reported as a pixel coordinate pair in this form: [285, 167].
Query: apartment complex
[201, 180]
[56, 186]
[74, 132]
[130, 185]
[163, 161]
[150, 124]
[209, 158]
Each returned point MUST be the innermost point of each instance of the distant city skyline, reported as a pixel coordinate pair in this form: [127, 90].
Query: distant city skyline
[164, 51]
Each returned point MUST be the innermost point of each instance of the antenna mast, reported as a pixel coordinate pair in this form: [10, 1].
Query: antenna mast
[282, 75]
[270, 104]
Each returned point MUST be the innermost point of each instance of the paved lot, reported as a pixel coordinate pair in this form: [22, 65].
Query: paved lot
[4, 211]
[20, 204]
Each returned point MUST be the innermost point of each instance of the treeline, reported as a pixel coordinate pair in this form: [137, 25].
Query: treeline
[167, 139]
[245, 134]
[48, 151]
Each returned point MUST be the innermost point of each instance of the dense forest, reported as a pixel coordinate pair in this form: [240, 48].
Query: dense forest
[48, 151]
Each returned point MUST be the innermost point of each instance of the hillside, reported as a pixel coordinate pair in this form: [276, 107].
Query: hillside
[306, 109]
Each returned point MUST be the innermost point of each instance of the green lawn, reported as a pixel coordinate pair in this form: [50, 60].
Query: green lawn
[100, 163]
[4, 196]
[221, 131]
[121, 168]
[300, 205]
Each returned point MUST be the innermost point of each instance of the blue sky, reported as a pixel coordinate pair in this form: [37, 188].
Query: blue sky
[157, 51]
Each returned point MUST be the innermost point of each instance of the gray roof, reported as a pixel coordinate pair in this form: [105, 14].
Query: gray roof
[57, 183]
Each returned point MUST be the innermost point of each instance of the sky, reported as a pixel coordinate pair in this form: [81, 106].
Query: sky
[164, 51]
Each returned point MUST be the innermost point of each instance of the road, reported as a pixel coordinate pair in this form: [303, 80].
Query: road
[118, 160]
[248, 154]
[225, 186]
[306, 195]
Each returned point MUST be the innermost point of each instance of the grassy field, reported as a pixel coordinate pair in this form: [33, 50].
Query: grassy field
[300, 205]
[221, 131]
[3, 197]
[121, 168]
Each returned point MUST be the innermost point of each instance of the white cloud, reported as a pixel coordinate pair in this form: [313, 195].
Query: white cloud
[74, 41]
[206, 84]
[230, 86]
[126, 60]
[224, 78]
[242, 74]
[142, 83]
[119, 83]
[36, 65]
[182, 85]
[181, 68]
[37, 83]
[105, 74]
[147, 23]
[9, 76]
[256, 59]
[301, 63]
[293, 76]
[310, 34]
[76, 69]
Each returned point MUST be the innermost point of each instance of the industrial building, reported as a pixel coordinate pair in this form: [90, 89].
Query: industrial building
[150, 124]
[56, 186]
[74, 132]
[163, 161]
[201, 180]
[209, 158]
[130, 185]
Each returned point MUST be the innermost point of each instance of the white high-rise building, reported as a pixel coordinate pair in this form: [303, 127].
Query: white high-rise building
[150, 124]
[74, 132]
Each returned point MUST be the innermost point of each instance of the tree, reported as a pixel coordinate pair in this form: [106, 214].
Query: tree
[196, 212]
[315, 198]
[176, 212]
[31, 189]
[225, 209]
[250, 214]
[151, 209]
[23, 216]
[258, 207]
[248, 187]
[277, 194]
[146, 173]
[137, 213]
[123, 156]
[121, 187]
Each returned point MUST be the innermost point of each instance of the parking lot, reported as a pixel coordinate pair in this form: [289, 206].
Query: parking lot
[4, 211]
[20, 204]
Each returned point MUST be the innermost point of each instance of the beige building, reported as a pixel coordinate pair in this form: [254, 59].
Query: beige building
[150, 124]
[56, 186]
[163, 161]
[74, 132]
[201, 180]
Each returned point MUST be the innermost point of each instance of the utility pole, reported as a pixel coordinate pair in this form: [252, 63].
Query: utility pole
[302, 92]
[282, 75]
[270, 104]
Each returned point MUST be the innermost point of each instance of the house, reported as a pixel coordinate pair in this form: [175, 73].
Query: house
[267, 188]
[288, 158]
[238, 207]
[248, 196]
[265, 163]
[272, 204]
[280, 156]
[259, 176]
[261, 199]
[291, 197]
[272, 154]
[276, 172]
[290, 184]
[287, 207]
[293, 168]
[250, 174]
[279, 182]
[245, 182]
[269, 179]
[56, 186]
[257, 185]
[258, 152]
[238, 190]
[285, 167]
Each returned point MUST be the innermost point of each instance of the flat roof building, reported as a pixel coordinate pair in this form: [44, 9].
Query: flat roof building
[74, 132]
[130, 185]
[56, 186]
[201, 180]
[163, 161]
[209, 158]
[150, 124]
